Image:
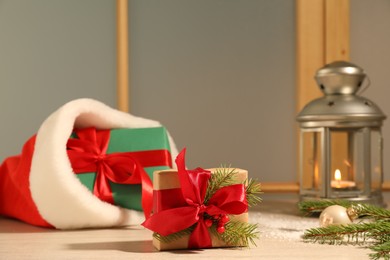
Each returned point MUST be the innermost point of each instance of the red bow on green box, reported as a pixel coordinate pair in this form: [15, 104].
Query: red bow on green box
[191, 210]
[88, 153]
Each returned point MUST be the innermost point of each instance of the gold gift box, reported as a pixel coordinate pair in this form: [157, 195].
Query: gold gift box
[169, 179]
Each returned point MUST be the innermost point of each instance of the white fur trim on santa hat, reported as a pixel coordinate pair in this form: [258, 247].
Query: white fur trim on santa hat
[61, 199]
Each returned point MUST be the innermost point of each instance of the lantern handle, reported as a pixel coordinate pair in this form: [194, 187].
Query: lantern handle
[366, 86]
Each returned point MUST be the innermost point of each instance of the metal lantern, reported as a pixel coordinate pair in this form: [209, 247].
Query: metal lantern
[340, 139]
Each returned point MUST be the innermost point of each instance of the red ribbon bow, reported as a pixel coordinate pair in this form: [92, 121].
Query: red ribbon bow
[88, 154]
[193, 184]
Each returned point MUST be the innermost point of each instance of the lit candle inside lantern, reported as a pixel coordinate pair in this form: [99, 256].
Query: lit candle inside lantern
[337, 175]
[337, 183]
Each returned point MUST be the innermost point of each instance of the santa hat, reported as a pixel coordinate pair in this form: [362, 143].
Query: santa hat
[40, 187]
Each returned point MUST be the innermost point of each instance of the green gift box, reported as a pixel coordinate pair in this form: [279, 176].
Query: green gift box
[121, 141]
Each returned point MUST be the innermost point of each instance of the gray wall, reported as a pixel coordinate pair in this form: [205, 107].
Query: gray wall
[52, 51]
[370, 49]
[220, 75]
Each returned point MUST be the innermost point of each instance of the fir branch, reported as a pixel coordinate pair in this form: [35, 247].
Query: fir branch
[381, 251]
[174, 236]
[326, 235]
[371, 211]
[238, 233]
[361, 210]
[223, 176]
[379, 231]
[316, 206]
[374, 232]
[253, 189]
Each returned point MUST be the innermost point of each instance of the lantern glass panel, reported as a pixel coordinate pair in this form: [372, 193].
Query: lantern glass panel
[358, 159]
[311, 175]
[340, 155]
[376, 159]
[347, 168]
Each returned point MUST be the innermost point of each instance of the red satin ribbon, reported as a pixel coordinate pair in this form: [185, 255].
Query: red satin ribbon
[88, 154]
[167, 199]
[193, 185]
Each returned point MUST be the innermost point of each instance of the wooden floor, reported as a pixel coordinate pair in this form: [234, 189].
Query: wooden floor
[22, 241]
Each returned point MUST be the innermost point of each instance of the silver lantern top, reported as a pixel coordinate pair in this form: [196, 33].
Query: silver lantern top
[340, 106]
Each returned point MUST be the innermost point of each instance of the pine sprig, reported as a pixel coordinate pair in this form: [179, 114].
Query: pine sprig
[370, 211]
[174, 236]
[253, 189]
[348, 234]
[316, 206]
[238, 233]
[361, 210]
[223, 176]
[373, 233]
[381, 251]
[380, 231]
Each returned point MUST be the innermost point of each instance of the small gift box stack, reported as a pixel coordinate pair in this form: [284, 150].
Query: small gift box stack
[202, 208]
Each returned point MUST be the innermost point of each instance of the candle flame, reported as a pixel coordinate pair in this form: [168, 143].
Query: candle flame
[337, 175]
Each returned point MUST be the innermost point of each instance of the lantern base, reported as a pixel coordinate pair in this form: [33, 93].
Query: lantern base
[376, 199]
